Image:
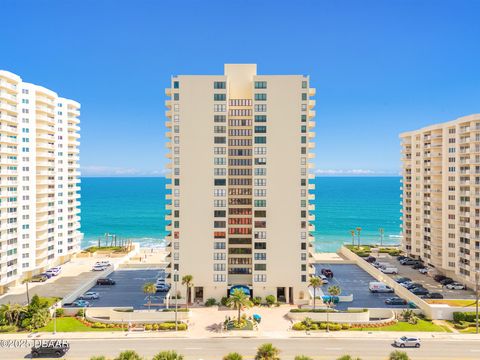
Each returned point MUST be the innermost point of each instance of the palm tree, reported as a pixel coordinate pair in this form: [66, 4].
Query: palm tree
[26, 281]
[233, 356]
[40, 318]
[16, 312]
[352, 232]
[168, 355]
[149, 289]
[333, 290]
[101, 357]
[348, 357]
[315, 282]
[128, 355]
[359, 229]
[398, 355]
[187, 280]
[267, 352]
[239, 300]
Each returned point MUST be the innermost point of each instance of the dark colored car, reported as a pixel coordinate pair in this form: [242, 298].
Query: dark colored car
[395, 301]
[401, 257]
[327, 272]
[371, 259]
[419, 291]
[105, 281]
[39, 278]
[446, 281]
[413, 286]
[418, 266]
[50, 348]
[402, 279]
[408, 261]
[433, 296]
[439, 278]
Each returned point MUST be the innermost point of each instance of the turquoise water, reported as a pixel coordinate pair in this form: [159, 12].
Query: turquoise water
[134, 208]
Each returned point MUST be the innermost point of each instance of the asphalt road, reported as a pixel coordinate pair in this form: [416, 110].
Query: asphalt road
[214, 349]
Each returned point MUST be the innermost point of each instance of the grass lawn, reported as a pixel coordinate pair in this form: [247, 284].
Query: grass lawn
[71, 324]
[454, 302]
[422, 325]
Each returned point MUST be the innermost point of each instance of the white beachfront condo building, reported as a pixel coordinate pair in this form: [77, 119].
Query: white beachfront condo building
[39, 179]
[441, 196]
[239, 203]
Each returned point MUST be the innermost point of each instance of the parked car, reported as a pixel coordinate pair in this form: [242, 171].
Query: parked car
[324, 279]
[433, 295]
[455, 286]
[49, 348]
[395, 301]
[105, 281]
[105, 263]
[407, 342]
[401, 257]
[81, 303]
[379, 287]
[413, 285]
[54, 271]
[402, 279]
[389, 270]
[98, 267]
[439, 278]
[327, 272]
[48, 275]
[419, 291]
[91, 295]
[39, 278]
[424, 270]
[371, 259]
[447, 281]
[418, 266]
[408, 261]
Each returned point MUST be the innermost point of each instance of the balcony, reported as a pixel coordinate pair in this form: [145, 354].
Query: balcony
[168, 92]
[312, 91]
[168, 104]
[311, 114]
[311, 104]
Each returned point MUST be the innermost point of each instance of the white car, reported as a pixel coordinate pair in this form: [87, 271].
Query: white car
[405, 341]
[324, 279]
[424, 270]
[389, 270]
[54, 271]
[455, 286]
[98, 267]
[105, 263]
[91, 295]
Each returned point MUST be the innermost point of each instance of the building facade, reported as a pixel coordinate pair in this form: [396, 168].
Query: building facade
[39, 179]
[441, 196]
[239, 202]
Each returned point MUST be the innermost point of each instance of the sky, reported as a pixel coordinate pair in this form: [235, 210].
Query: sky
[380, 67]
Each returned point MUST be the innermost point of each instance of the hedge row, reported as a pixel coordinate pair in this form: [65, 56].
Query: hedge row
[320, 326]
[458, 316]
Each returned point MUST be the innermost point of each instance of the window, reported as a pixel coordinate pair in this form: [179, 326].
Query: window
[260, 139]
[220, 140]
[260, 129]
[219, 108]
[304, 97]
[219, 85]
[260, 84]
[219, 118]
[176, 85]
[260, 97]
[176, 96]
[260, 118]
[219, 97]
[260, 267]
[261, 108]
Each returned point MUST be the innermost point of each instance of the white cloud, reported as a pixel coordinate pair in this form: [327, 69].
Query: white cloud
[104, 171]
[353, 172]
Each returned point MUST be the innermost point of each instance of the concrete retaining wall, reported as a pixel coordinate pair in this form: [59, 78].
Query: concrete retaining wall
[399, 289]
[112, 316]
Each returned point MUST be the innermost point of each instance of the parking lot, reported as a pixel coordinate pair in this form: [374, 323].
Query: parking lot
[353, 280]
[128, 290]
[426, 280]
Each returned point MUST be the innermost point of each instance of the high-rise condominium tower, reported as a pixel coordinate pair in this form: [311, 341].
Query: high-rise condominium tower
[239, 208]
[441, 196]
[39, 179]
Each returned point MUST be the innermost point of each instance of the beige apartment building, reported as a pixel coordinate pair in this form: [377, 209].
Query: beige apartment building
[441, 196]
[239, 203]
[39, 179]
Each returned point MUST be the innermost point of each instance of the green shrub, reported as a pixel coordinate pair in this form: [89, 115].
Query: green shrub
[128, 355]
[298, 326]
[314, 326]
[155, 327]
[323, 326]
[168, 355]
[270, 299]
[335, 327]
[59, 312]
[224, 301]
[99, 325]
[345, 326]
[302, 357]
[461, 325]
[80, 313]
[210, 302]
[7, 328]
[101, 357]
[148, 327]
[257, 300]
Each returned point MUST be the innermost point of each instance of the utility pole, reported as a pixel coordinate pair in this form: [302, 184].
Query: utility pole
[175, 280]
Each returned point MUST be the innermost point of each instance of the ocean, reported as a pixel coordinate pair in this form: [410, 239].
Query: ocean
[134, 208]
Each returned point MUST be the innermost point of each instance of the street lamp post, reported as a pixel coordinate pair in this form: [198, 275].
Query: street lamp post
[381, 231]
[359, 229]
[175, 280]
[55, 321]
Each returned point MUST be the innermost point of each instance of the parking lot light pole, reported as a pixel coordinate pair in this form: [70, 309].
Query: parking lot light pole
[55, 321]
[175, 280]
